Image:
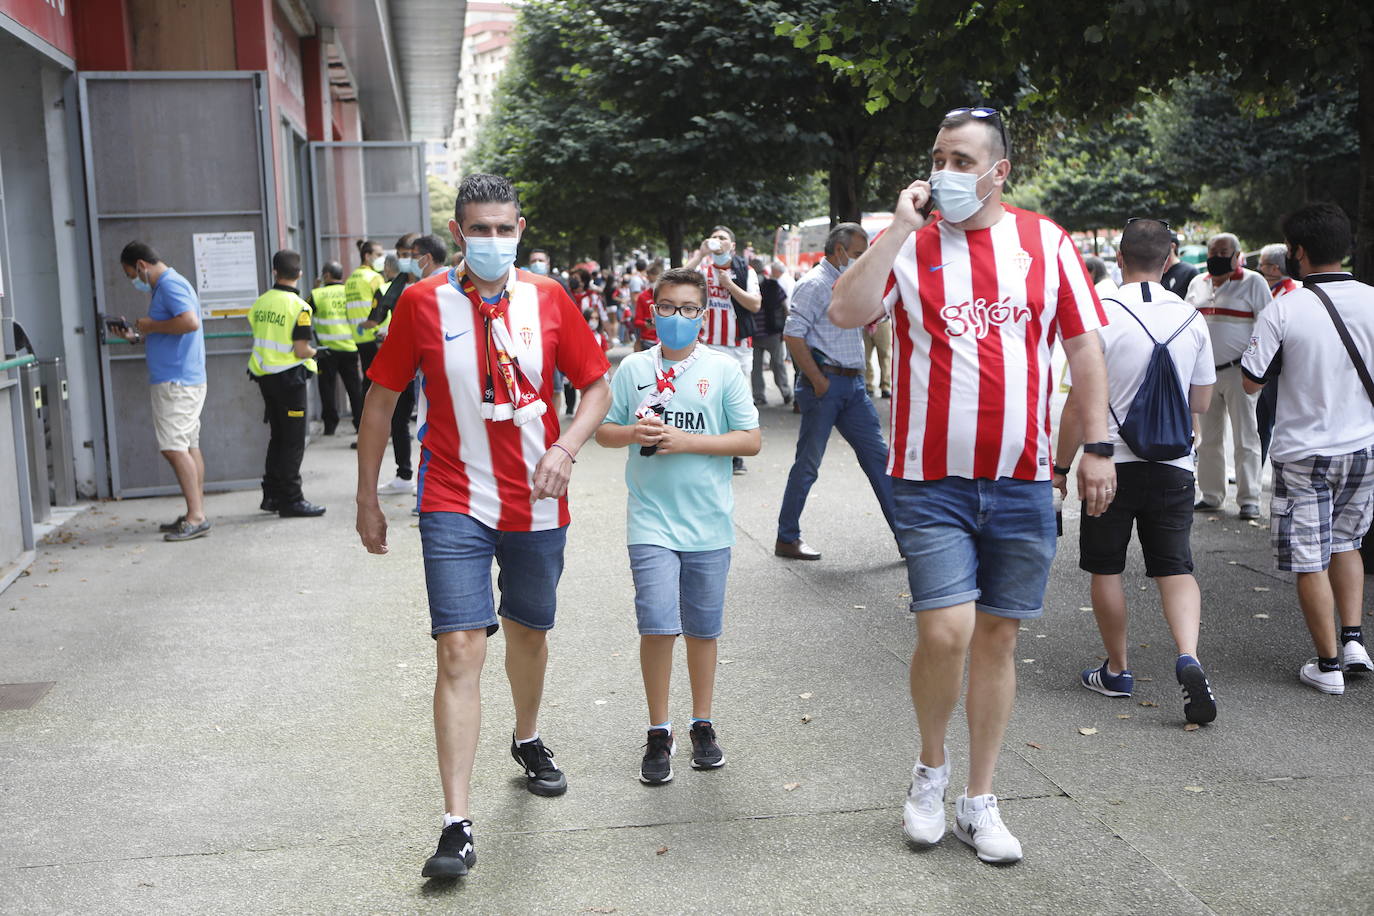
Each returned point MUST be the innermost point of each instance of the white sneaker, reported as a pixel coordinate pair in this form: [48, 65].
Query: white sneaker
[978, 823]
[1332, 682]
[397, 485]
[1355, 658]
[923, 815]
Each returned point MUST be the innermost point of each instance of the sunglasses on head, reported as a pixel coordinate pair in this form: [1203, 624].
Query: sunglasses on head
[983, 113]
[1148, 219]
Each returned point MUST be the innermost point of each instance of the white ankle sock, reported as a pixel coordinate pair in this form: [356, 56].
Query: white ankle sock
[534, 737]
[453, 819]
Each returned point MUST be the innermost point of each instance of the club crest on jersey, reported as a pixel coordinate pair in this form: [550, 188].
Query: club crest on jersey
[1022, 260]
[703, 386]
[978, 317]
[527, 335]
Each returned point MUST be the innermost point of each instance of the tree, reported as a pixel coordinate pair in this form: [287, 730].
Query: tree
[442, 197]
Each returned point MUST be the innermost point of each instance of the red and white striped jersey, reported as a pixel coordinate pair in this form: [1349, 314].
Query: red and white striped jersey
[975, 315]
[483, 468]
[719, 329]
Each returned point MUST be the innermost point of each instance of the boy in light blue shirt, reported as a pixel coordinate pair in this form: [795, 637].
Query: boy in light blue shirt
[684, 411]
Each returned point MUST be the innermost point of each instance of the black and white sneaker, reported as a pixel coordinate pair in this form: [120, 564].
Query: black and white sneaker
[657, 766]
[542, 775]
[1199, 706]
[706, 752]
[455, 854]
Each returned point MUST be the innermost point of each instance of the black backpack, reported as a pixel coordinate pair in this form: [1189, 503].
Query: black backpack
[1157, 425]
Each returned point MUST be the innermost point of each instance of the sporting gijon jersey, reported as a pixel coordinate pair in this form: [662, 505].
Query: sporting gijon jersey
[477, 467]
[974, 316]
[720, 327]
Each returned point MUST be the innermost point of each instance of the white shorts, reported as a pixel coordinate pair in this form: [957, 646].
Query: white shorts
[176, 415]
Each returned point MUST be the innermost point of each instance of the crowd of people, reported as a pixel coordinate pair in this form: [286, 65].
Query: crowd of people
[965, 301]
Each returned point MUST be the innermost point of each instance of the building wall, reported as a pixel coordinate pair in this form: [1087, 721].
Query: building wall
[487, 40]
[182, 34]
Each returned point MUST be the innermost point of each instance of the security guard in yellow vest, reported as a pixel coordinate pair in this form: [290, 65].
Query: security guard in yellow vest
[360, 288]
[281, 363]
[338, 353]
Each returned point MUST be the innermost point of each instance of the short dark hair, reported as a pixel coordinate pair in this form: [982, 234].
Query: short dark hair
[431, 245]
[407, 240]
[999, 142]
[332, 269]
[535, 251]
[757, 265]
[1097, 268]
[640, 264]
[366, 245]
[484, 188]
[1145, 245]
[726, 229]
[842, 235]
[1321, 229]
[287, 264]
[681, 276]
[655, 270]
[138, 251]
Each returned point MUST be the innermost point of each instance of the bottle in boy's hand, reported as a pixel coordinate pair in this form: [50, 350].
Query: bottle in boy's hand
[647, 450]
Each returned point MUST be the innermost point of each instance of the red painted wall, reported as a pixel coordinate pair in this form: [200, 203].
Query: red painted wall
[51, 20]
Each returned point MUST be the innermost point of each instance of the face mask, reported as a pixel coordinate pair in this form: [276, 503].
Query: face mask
[1219, 266]
[140, 284]
[407, 266]
[539, 267]
[419, 271]
[956, 193]
[720, 260]
[1291, 266]
[490, 258]
[677, 332]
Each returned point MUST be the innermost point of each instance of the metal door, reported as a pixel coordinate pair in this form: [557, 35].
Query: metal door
[370, 189]
[170, 156]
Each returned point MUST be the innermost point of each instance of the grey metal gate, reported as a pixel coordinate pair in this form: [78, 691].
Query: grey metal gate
[181, 160]
[368, 189]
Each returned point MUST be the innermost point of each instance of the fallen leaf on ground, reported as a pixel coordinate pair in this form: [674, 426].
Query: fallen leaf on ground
[661, 851]
[600, 702]
[791, 785]
[1191, 727]
[1148, 703]
[1034, 745]
[1232, 562]
[860, 607]
[1261, 616]
[1113, 801]
[1193, 788]
[1086, 730]
[806, 718]
[1087, 608]
[805, 696]
[1144, 679]
[599, 909]
[1123, 715]
[1040, 636]
[1260, 588]
[1027, 660]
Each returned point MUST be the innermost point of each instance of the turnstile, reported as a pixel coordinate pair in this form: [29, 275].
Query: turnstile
[31, 386]
[58, 414]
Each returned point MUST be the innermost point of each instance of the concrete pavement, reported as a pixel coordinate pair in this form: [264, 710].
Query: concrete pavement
[241, 724]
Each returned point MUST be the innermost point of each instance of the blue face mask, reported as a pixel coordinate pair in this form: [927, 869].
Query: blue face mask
[539, 267]
[140, 284]
[956, 193]
[407, 266]
[490, 258]
[720, 260]
[677, 332]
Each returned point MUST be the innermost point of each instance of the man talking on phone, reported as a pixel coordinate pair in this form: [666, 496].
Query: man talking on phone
[977, 293]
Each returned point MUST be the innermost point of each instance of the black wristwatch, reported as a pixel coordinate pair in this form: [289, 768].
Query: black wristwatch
[1105, 449]
[1062, 472]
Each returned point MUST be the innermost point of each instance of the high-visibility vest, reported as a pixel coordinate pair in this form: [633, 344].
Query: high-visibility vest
[359, 289]
[332, 327]
[272, 317]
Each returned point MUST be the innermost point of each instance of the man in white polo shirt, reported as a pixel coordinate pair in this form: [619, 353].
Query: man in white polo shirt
[1230, 297]
[1323, 432]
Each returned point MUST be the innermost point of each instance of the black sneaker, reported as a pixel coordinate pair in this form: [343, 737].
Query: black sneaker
[1199, 706]
[542, 774]
[706, 753]
[737, 466]
[455, 854]
[657, 766]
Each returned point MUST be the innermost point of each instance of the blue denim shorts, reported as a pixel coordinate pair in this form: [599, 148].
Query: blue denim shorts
[679, 591]
[986, 541]
[458, 551]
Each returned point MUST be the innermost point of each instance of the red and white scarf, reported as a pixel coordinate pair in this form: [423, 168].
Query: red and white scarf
[517, 397]
[657, 400]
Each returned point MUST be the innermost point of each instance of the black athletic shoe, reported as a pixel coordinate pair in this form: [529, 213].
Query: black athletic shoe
[737, 466]
[706, 753]
[455, 854]
[1199, 706]
[268, 504]
[657, 766]
[542, 774]
[301, 509]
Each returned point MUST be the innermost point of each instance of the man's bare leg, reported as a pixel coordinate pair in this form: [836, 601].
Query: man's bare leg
[527, 658]
[1346, 574]
[1316, 601]
[458, 712]
[189, 479]
[1109, 607]
[1182, 603]
[991, 692]
[937, 673]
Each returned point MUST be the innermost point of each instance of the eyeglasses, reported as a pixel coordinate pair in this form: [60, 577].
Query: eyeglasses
[1147, 219]
[668, 310]
[983, 113]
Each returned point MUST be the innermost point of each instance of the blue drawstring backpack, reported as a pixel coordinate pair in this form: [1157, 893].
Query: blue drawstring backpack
[1157, 425]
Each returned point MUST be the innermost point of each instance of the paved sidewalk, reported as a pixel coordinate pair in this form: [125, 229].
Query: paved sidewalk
[241, 724]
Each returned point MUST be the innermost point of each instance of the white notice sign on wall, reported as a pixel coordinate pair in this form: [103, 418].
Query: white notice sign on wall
[226, 268]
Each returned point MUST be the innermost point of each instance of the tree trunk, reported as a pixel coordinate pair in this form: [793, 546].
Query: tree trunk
[605, 253]
[673, 234]
[844, 187]
[1364, 118]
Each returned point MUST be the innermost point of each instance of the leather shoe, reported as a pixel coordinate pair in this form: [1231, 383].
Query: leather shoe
[268, 504]
[795, 550]
[301, 509]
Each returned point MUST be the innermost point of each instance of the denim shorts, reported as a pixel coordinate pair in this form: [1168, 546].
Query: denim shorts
[679, 591]
[458, 551]
[986, 541]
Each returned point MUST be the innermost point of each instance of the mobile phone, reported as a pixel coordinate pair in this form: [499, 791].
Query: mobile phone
[116, 324]
[929, 206]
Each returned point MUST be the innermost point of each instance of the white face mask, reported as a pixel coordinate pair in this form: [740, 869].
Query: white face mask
[956, 193]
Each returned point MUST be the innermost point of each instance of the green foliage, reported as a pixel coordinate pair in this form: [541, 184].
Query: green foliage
[442, 197]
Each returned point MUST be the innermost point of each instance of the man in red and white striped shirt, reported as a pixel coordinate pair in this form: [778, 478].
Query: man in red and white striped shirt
[493, 477]
[978, 294]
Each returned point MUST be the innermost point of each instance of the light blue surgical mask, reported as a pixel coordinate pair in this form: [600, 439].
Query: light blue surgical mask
[720, 260]
[956, 193]
[539, 267]
[407, 266]
[140, 284]
[490, 258]
[677, 332]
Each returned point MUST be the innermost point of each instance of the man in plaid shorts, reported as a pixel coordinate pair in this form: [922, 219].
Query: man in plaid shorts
[1323, 445]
